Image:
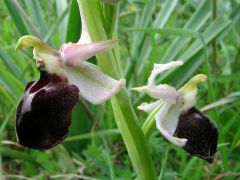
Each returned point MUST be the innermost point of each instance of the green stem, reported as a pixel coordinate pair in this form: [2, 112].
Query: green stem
[150, 123]
[125, 116]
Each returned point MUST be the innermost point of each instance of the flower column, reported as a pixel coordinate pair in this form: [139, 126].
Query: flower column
[125, 117]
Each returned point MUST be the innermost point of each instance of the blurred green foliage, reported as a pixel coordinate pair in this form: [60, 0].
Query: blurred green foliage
[149, 31]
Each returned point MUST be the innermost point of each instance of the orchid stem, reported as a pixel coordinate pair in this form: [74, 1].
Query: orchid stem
[125, 116]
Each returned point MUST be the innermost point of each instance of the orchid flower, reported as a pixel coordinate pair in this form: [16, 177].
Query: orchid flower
[194, 131]
[44, 112]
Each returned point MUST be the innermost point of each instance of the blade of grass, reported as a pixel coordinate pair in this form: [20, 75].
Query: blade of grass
[193, 56]
[175, 32]
[195, 23]
[74, 23]
[56, 25]
[5, 121]
[22, 28]
[11, 83]
[226, 100]
[61, 7]
[6, 96]
[160, 21]
[17, 155]
[137, 38]
[37, 16]
[9, 62]
[110, 132]
[25, 17]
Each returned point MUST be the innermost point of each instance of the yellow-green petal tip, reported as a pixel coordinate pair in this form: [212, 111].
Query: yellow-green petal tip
[28, 41]
[192, 83]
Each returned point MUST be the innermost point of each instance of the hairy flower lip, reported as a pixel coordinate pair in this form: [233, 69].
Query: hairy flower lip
[44, 112]
[197, 127]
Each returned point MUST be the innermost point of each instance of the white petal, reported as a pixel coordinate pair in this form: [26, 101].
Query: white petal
[162, 91]
[148, 108]
[159, 68]
[166, 122]
[74, 53]
[95, 86]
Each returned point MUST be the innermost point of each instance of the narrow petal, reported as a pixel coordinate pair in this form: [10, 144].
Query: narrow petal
[167, 120]
[148, 108]
[95, 86]
[74, 53]
[162, 91]
[159, 68]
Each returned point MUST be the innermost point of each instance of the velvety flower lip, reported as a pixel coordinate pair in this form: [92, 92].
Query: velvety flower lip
[194, 131]
[201, 133]
[44, 112]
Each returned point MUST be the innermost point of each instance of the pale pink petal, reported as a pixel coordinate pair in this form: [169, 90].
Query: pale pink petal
[74, 53]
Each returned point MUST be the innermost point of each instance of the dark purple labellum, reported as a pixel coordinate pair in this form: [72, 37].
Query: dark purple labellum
[201, 133]
[44, 112]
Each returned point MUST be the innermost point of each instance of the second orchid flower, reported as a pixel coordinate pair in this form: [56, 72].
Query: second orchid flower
[178, 116]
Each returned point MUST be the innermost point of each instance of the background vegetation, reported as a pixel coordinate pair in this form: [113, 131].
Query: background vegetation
[205, 33]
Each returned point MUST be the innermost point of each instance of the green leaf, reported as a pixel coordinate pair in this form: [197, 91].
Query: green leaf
[226, 100]
[194, 23]
[9, 62]
[22, 29]
[37, 16]
[110, 132]
[17, 155]
[74, 23]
